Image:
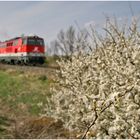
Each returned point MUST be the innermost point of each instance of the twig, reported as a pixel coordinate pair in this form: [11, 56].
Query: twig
[94, 121]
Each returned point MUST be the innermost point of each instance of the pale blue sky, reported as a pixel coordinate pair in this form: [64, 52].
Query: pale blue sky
[46, 19]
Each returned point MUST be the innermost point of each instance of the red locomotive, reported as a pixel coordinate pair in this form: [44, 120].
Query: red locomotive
[23, 50]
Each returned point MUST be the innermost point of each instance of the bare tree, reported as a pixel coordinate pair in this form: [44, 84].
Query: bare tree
[69, 42]
[65, 41]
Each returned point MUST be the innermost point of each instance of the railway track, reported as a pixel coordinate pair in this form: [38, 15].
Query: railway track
[42, 69]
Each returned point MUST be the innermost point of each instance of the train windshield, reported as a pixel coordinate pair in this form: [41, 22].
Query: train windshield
[33, 41]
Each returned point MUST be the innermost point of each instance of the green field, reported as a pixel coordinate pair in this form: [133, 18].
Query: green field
[17, 89]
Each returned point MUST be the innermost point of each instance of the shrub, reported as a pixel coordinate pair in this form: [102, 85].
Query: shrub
[100, 91]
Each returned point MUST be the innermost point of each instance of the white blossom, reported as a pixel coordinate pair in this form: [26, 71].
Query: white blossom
[106, 83]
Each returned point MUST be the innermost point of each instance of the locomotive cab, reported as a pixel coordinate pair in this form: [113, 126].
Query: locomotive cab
[34, 47]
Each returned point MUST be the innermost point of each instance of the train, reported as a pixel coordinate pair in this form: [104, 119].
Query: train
[23, 50]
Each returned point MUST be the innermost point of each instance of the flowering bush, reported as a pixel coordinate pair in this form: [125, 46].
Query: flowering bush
[100, 92]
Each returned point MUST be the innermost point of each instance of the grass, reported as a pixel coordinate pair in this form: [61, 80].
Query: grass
[21, 92]
[4, 123]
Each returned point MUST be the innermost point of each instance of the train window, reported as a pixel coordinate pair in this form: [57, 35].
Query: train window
[15, 43]
[40, 42]
[10, 44]
[33, 41]
[24, 41]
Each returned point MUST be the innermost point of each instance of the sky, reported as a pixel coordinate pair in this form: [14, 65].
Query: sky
[46, 19]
